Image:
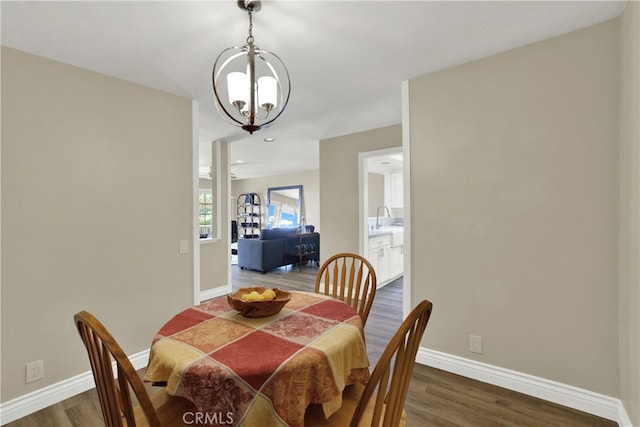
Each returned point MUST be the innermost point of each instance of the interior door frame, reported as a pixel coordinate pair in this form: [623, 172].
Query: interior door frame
[363, 192]
[363, 203]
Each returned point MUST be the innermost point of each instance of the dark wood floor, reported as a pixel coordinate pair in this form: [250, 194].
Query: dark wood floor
[436, 398]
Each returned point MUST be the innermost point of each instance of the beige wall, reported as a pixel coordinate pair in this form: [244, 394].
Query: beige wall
[376, 193]
[96, 196]
[310, 194]
[630, 212]
[339, 184]
[514, 189]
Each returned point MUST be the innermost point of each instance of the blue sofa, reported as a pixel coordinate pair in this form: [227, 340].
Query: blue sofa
[274, 249]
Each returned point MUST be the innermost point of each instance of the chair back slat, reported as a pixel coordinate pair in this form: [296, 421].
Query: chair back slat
[380, 401]
[350, 278]
[392, 373]
[343, 282]
[346, 281]
[357, 284]
[114, 392]
[100, 360]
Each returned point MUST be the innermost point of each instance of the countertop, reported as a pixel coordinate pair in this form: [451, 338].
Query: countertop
[386, 230]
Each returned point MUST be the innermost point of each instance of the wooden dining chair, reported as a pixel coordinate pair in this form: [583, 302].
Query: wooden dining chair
[350, 278]
[390, 380]
[159, 409]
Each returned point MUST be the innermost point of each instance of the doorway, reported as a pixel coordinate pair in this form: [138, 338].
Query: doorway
[381, 233]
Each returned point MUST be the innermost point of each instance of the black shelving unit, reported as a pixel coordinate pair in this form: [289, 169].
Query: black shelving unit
[249, 211]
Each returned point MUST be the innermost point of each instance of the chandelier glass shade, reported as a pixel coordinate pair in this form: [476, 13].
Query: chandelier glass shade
[251, 86]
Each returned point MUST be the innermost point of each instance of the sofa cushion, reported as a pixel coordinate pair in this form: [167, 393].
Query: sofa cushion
[275, 233]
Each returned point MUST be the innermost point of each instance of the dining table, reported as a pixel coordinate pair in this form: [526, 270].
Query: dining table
[261, 372]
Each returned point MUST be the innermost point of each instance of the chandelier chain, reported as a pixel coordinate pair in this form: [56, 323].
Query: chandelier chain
[250, 38]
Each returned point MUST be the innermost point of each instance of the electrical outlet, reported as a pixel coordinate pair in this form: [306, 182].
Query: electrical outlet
[475, 344]
[35, 371]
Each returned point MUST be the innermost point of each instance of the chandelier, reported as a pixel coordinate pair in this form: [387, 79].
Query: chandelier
[256, 88]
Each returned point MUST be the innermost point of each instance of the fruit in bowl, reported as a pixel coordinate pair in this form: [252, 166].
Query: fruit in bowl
[266, 295]
[258, 301]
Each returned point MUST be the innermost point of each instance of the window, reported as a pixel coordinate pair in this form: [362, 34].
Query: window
[205, 203]
[209, 200]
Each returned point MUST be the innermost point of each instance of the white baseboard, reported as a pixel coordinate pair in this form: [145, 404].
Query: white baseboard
[552, 391]
[32, 402]
[573, 397]
[215, 292]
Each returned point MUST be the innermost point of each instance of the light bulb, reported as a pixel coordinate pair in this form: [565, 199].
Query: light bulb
[267, 92]
[238, 88]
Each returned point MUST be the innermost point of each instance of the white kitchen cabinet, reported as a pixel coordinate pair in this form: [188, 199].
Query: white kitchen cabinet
[379, 247]
[396, 261]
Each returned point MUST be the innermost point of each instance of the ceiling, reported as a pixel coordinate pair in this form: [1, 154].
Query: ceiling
[387, 163]
[347, 59]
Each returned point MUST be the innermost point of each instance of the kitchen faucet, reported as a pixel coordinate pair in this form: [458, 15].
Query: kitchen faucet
[378, 215]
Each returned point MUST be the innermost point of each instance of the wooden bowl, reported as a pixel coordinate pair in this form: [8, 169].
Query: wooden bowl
[255, 309]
